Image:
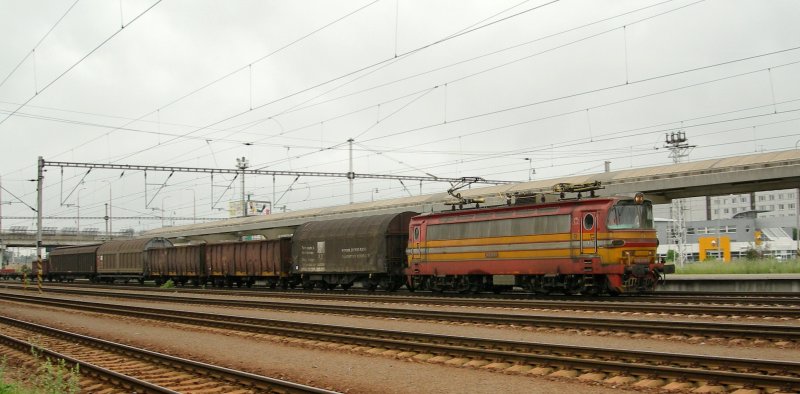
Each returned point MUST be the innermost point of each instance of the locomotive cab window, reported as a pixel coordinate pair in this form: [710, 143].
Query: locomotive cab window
[626, 214]
[588, 221]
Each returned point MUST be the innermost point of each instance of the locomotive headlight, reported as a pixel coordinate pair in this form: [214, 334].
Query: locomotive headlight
[638, 198]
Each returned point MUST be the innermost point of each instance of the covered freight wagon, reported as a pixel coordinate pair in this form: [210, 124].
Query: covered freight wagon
[126, 259]
[369, 250]
[245, 262]
[73, 262]
[181, 264]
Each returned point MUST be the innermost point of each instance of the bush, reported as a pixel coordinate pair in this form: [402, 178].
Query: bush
[168, 284]
[54, 377]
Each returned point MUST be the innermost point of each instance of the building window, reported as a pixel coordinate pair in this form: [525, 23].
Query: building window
[781, 206]
[771, 197]
[780, 196]
[743, 199]
[716, 211]
[771, 207]
[791, 206]
[761, 198]
[726, 210]
[733, 210]
[690, 230]
[791, 195]
[716, 201]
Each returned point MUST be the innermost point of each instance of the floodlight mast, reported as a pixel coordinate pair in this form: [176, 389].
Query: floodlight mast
[242, 164]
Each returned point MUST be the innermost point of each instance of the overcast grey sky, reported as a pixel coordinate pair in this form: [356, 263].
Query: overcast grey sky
[450, 88]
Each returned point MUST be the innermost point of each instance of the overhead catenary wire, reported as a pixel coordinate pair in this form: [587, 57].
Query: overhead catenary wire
[463, 31]
[32, 52]
[70, 68]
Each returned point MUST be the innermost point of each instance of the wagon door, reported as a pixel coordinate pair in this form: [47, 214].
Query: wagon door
[588, 233]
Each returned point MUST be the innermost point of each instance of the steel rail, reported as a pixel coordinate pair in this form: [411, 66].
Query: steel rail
[219, 373]
[725, 330]
[130, 383]
[652, 306]
[783, 375]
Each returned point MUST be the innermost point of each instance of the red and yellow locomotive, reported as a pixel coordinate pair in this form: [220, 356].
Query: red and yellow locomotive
[591, 246]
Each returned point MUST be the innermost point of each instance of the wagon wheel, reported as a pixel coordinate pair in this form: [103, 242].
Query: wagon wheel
[346, 286]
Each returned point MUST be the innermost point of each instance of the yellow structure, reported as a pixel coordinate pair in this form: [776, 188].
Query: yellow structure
[717, 244]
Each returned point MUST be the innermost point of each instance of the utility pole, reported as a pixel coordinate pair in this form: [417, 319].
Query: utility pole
[678, 146]
[242, 164]
[39, 184]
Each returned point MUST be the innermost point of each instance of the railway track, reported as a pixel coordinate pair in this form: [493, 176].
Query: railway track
[678, 297]
[744, 308]
[120, 368]
[656, 368]
[764, 332]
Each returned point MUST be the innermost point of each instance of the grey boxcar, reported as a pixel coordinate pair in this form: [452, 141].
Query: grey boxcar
[369, 250]
[71, 262]
[126, 259]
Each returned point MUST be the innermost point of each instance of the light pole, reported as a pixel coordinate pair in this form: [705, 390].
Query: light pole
[194, 205]
[242, 164]
[109, 222]
[162, 210]
[530, 167]
[78, 206]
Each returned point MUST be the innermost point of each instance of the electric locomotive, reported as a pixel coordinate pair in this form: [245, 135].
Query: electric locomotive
[595, 245]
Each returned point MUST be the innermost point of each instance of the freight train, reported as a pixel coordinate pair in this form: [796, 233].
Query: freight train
[594, 245]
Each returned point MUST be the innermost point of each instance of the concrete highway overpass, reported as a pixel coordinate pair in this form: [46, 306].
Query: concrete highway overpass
[27, 239]
[738, 174]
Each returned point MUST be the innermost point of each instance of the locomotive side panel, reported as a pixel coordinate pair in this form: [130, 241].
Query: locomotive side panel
[499, 242]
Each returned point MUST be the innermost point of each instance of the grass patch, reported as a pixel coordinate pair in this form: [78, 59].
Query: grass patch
[49, 377]
[741, 266]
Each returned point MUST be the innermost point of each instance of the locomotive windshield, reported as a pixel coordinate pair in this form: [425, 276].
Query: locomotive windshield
[627, 214]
